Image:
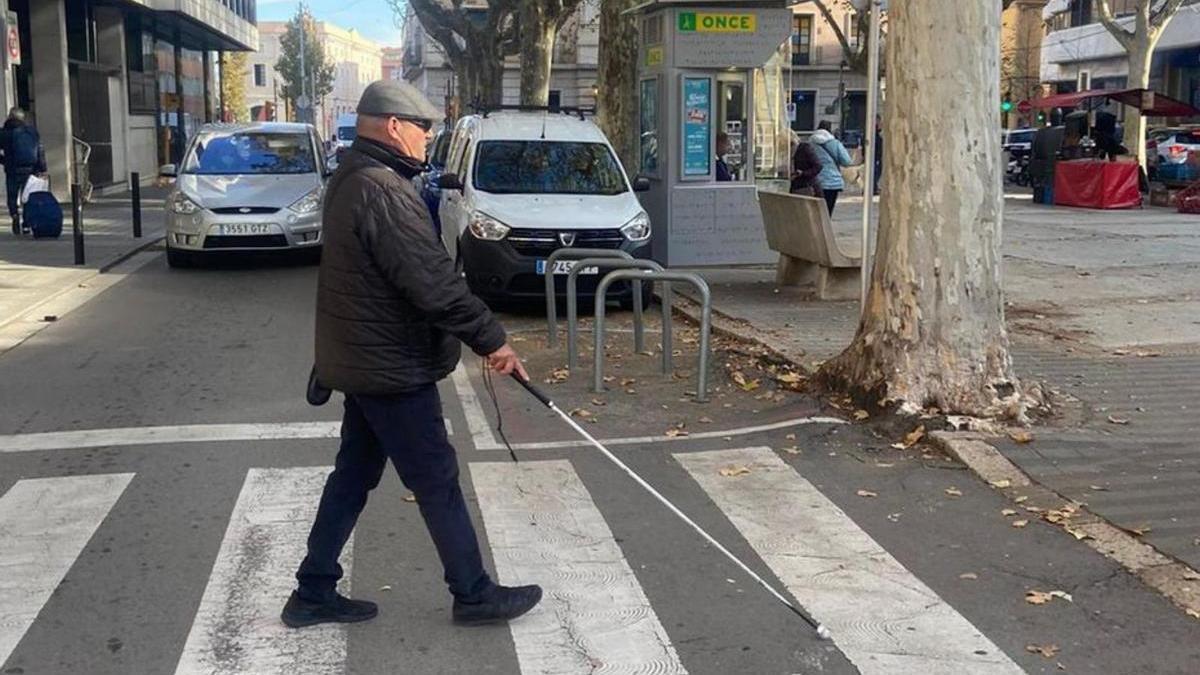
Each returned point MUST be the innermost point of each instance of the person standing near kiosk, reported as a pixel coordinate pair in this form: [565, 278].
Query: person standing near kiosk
[833, 156]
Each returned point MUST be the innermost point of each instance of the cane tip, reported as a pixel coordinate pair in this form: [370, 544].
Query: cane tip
[823, 633]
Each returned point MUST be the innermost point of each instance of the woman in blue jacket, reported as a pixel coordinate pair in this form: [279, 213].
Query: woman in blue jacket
[832, 155]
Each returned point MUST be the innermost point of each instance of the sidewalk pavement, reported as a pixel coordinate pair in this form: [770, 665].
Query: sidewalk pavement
[1103, 306]
[33, 271]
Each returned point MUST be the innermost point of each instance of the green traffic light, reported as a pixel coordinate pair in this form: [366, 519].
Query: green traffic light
[1006, 106]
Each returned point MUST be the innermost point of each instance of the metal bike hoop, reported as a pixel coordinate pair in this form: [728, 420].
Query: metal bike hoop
[653, 275]
[576, 253]
[639, 341]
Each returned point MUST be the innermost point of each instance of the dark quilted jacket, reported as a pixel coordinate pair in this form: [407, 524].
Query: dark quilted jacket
[391, 308]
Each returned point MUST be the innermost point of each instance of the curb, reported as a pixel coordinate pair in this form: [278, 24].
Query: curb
[727, 326]
[1175, 580]
[122, 257]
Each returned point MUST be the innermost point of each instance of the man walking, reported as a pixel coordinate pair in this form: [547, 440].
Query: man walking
[23, 157]
[391, 311]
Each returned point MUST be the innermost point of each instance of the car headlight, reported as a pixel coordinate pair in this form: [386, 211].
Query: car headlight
[487, 228]
[310, 202]
[182, 204]
[637, 229]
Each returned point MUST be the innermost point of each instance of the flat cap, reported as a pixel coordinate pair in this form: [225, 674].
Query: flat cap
[390, 97]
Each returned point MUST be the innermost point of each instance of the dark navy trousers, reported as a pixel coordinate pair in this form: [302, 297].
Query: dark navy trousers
[409, 430]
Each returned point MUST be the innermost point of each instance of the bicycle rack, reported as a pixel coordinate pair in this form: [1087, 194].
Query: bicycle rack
[577, 253]
[639, 341]
[654, 275]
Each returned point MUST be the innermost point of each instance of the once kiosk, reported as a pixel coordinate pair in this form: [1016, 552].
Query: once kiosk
[699, 73]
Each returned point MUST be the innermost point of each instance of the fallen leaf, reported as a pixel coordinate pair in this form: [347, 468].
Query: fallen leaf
[675, 432]
[861, 415]
[1117, 420]
[1098, 488]
[1147, 355]
[866, 493]
[899, 446]
[1191, 575]
[789, 378]
[558, 375]
[609, 378]
[1037, 597]
[971, 576]
[626, 381]
[410, 498]
[1141, 531]
[599, 403]
[1021, 436]
[1077, 534]
[1022, 499]
[385, 587]
[954, 492]
[1193, 613]
[1001, 484]
[790, 437]
[913, 437]
[732, 471]
[885, 465]
[793, 450]
[1047, 651]
[705, 420]
[1020, 523]
[582, 413]
[738, 377]
[1062, 595]
[1008, 512]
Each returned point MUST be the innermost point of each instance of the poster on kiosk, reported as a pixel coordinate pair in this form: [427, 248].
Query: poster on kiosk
[712, 125]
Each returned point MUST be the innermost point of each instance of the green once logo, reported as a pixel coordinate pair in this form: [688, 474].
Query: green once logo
[687, 22]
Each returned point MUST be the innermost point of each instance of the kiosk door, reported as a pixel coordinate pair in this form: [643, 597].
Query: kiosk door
[733, 120]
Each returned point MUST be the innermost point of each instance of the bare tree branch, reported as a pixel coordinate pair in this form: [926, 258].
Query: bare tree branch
[1123, 36]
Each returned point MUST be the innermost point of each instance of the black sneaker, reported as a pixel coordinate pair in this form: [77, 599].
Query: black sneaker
[499, 603]
[298, 612]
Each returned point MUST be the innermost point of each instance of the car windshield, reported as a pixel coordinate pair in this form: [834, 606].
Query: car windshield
[347, 133]
[251, 152]
[547, 167]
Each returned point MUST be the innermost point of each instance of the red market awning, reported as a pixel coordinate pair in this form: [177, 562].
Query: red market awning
[1151, 103]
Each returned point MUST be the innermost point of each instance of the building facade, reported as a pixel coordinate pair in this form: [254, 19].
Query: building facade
[1078, 53]
[393, 63]
[131, 80]
[357, 62]
[1021, 32]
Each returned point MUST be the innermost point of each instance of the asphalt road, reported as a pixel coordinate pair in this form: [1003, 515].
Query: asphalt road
[159, 468]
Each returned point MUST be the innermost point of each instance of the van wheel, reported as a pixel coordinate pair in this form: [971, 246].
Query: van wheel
[179, 259]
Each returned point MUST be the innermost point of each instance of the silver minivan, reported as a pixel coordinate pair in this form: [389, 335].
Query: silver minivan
[246, 187]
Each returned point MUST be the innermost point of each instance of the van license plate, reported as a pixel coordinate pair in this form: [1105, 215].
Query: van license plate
[564, 267]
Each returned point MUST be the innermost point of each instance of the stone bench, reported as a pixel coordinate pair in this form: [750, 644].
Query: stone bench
[798, 228]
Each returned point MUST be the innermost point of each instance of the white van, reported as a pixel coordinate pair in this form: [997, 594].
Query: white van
[345, 131]
[519, 185]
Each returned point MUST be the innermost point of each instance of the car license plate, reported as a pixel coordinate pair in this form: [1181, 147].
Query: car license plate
[244, 229]
[564, 267]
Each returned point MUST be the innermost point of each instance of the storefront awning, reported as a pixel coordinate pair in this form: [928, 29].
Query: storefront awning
[1151, 103]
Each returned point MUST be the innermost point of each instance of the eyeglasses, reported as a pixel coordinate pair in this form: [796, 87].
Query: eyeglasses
[422, 124]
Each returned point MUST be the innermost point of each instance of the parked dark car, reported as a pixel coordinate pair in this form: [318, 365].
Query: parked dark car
[427, 183]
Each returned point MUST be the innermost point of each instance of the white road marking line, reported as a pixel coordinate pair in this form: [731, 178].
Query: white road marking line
[639, 440]
[185, 433]
[477, 423]
[271, 431]
[237, 627]
[44, 525]
[594, 614]
[882, 616]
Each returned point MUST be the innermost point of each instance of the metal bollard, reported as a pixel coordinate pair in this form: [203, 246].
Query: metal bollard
[705, 320]
[551, 305]
[135, 186]
[77, 223]
[639, 341]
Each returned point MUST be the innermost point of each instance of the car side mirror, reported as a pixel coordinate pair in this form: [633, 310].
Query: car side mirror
[450, 181]
[641, 184]
[168, 171]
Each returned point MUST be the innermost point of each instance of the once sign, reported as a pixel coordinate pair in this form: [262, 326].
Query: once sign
[712, 22]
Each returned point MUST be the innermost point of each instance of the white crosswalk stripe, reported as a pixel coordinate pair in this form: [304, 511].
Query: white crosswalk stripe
[882, 617]
[595, 616]
[237, 627]
[44, 524]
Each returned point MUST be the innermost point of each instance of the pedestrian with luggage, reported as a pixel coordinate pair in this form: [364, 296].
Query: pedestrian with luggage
[23, 156]
[833, 156]
[391, 312]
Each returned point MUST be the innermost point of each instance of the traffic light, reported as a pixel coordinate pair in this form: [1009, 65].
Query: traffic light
[1006, 105]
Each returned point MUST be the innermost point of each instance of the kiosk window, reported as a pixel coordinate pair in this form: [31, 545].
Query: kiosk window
[648, 127]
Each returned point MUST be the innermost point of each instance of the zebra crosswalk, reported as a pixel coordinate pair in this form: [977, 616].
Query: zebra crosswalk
[542, 525]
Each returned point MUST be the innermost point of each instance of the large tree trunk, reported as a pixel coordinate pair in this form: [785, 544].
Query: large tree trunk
[933, 331]
[616, 103]
[1140, 56]
[538, 31]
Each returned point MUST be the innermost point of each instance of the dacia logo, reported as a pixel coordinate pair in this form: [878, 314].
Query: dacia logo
[566, 238]
[244, 209]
